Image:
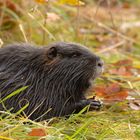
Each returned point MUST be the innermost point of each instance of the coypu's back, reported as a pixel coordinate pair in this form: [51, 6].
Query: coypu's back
[57, 77]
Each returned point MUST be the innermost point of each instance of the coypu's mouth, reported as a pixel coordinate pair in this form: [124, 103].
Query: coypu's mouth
[95, 75]
[98, 72]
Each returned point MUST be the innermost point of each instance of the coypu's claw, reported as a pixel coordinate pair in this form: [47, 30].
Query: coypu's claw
[95, 105]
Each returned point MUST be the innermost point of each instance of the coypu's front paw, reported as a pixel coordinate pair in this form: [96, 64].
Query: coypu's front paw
[95, 105]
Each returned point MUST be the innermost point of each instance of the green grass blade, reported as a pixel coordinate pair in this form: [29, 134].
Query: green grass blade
[13, 93]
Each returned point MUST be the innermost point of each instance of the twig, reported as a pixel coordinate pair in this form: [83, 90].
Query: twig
[42, 26]
[109, 48]
[110, 13]
[23, 32]
[116, 32]
[100, 24]
[113, 31]
[106, 27]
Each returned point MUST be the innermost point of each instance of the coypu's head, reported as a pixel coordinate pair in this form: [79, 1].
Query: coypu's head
[73, 66]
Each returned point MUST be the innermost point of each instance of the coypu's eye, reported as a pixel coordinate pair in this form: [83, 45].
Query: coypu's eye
[75, 54]
[52, 52]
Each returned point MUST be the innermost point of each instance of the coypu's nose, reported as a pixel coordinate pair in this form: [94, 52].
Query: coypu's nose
[100, 63]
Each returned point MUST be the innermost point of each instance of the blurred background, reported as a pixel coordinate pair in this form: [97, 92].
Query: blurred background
[111, 29]
[95, 23]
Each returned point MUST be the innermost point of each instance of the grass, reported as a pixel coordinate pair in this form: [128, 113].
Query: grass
[93, 125]
[111, 123]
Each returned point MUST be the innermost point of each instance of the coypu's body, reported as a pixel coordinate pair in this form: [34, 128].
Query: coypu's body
[57, 77]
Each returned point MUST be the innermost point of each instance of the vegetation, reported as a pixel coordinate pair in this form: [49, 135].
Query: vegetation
[109, 28]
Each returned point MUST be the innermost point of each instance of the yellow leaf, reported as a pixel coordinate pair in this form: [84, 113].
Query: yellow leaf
[41, 1]
[72, 2]
[5, 138]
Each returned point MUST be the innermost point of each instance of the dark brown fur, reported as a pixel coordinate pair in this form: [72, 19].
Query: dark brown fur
[57, 77]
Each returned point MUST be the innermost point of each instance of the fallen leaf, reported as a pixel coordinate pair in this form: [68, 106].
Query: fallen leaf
[126, 5]
[126, 63]
[123, 68]
[112, 88]
[37, 132]
[9, 4]
[112, 92]
[7, 21]
[119, 96]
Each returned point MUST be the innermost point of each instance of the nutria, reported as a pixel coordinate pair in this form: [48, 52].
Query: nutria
[57, 78]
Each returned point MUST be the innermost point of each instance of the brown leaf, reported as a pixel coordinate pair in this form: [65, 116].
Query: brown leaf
[113, 88]
[126, 5]
[111, 92]
[127, 63]
[9, 4]
[100, 91]
[37, 132]
[7, 22]
[108, 89]
[123, 68]
[119, 96]
[121, 71]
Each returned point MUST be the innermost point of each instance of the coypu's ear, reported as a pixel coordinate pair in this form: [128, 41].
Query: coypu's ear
[52, 52]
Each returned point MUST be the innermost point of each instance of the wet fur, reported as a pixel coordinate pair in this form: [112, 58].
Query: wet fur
[57, 77]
